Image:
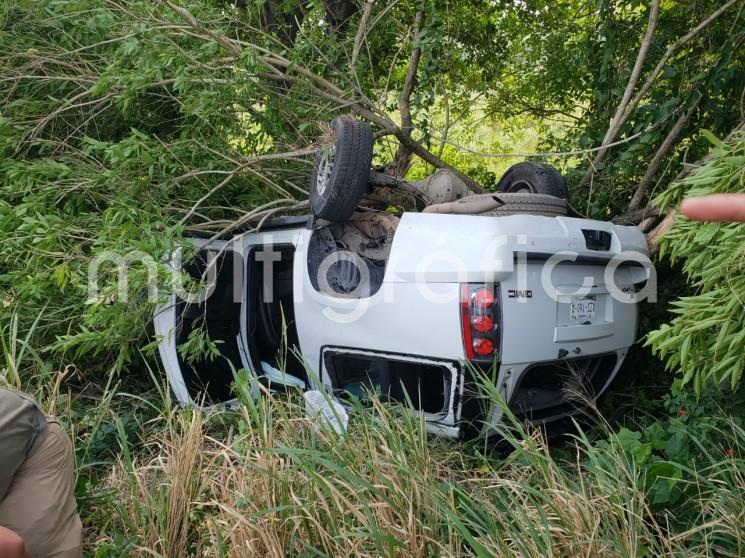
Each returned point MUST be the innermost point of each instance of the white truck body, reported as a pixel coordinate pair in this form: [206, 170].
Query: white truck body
[413, 324]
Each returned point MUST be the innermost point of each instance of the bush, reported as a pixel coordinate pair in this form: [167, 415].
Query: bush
[704, 341]
[117, 133]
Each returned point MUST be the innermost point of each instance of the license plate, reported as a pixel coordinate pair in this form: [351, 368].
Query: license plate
[582, 308]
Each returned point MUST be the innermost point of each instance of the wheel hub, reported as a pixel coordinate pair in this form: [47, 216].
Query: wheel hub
[325, 167]
[521, 186]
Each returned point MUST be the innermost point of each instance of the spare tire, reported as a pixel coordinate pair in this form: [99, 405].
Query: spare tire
[533, 178]
[341, 170]
[521, 203]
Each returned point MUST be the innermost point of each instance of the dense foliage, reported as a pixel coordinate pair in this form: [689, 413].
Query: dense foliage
[124, 123]
[706, 337]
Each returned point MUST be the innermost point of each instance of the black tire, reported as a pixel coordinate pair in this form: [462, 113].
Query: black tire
[533, 178]
[523, 204]
[341, 171]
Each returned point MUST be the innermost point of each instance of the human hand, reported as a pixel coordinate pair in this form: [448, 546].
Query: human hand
[11, 544]
[715, 207]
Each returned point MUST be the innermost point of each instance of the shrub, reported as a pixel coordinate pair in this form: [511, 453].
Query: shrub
[706, 337]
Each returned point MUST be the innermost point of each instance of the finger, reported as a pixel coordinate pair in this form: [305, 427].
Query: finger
[716, 207]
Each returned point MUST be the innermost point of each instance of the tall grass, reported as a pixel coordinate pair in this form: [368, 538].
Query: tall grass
[262, 482]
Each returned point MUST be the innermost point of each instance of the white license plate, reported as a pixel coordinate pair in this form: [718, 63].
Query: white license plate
[582, 308]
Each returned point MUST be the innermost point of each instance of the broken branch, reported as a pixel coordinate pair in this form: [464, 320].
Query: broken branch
[324, 88]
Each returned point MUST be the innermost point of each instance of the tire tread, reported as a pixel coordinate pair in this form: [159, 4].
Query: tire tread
[545, 179]
[524, 204]
[350, 173]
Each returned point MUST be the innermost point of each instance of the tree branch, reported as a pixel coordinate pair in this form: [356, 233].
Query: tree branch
[671, 49]
[418, 149]
[324, 88]
[635, 216]
[446, 124]
[666, 224]
[653, 238]
[221, 40]
[668, 143]
[649, 82]
[618, 117]
[403, 155]
[361, 30]
[688, 169]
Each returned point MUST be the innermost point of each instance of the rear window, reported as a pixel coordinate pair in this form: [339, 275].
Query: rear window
[427, 385]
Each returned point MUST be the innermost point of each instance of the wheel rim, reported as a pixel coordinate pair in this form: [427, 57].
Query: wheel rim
[521, 186]
[325, 166]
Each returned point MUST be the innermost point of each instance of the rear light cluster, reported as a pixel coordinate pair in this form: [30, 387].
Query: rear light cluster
[480, 316]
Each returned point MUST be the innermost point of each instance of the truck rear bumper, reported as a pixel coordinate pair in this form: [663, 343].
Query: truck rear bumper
[543, 392]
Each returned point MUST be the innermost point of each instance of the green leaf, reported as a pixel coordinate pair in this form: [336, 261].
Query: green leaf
[711, 137]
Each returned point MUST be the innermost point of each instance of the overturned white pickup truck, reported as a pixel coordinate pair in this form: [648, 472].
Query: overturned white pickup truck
[411, 307]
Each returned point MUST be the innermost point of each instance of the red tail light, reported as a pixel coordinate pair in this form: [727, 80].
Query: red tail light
[480, 321]
[483, 346]
[483, 298]
[483, 324]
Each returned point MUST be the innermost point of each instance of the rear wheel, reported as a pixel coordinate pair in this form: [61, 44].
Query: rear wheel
[341, 170]
[533, 178]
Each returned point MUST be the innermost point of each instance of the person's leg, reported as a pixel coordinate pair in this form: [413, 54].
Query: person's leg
[40, 504]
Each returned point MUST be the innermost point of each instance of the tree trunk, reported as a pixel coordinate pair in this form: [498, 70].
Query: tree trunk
[618, 117]
[670, 141]
[403, 155]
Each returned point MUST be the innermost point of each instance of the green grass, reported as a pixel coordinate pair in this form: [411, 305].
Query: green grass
[155, 480]
[261, 482]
